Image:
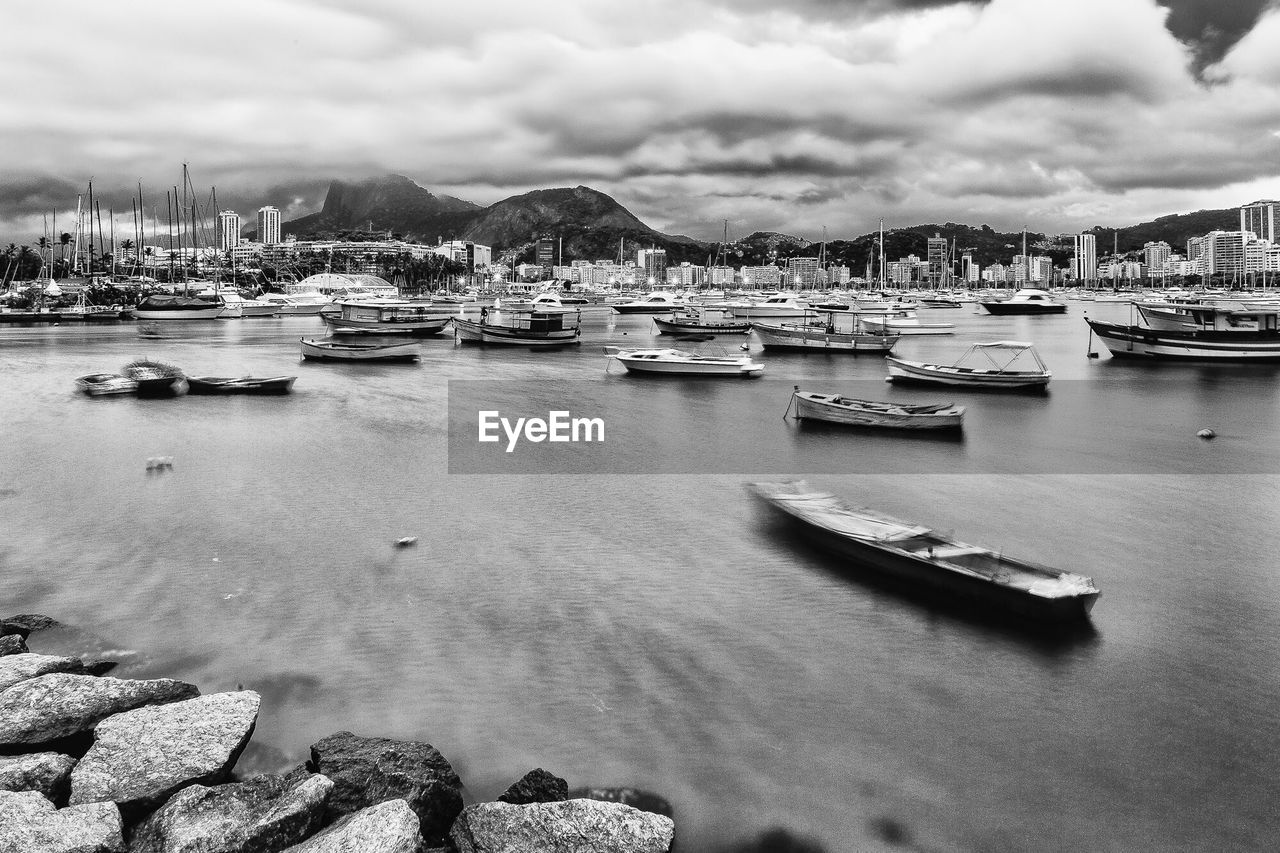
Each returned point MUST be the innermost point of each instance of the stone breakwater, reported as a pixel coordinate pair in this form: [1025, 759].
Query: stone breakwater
[90, 763]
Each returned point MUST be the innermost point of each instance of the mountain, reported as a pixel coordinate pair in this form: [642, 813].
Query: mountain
[391, 203]
[1174, 229]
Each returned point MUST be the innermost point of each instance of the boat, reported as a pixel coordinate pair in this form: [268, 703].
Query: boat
[825, 336]
[103, 384]
[239, 385]
[658, 302]
[155, 378]
[1194, 333]
[931, 562]
[160, 306]
[380, 315]
[695, 322]
[1028, 300]
[873, 413]
[295, 303]
[999, 364]
[781, 305]
[330, 350]
[534, 327]
[904, 323]
[682, 363]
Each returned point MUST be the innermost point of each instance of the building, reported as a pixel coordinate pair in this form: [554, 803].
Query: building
[969, 271]
[268, 225]
[472, 255]
[1259, 217]
[1085, 265]
[939, 273]
[545, 252]
[1224, 253]
[766, 277]
[802, 273]
[721, 276]
[227, 233]
[1041, 269]
[686, 275]
[651, 264]
[1155, 256]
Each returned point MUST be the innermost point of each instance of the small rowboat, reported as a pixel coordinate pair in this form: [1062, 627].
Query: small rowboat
[674, 362]
[322, 350]
[1001, 364]
[239, 385]
[871, 413]
[102, 384]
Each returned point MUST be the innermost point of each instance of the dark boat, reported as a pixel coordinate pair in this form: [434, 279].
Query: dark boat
[1195, 333]
[156, 379]
[239, 385]
[1025, 301]
[697, 323]
[932, 562]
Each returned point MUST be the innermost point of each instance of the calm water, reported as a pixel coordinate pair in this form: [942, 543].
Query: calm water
[634, 619]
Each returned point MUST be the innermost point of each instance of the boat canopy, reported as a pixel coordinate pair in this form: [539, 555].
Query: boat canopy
[1005, 345]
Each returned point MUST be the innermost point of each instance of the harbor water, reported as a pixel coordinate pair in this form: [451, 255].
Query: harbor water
[624, 613]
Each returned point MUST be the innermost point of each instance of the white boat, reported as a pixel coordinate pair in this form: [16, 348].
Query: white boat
[658, 302]
[825, 336]
[1028, 300]
[103, 384]
[780, 305]
[1000, 364]
[1195, 333]
[298, 304]
[328, 350]
[905, 323]
[535, 327]
[873, 413]
[681, 363]
[379, 315]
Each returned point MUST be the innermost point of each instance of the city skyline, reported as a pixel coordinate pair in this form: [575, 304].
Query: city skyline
[785, 118]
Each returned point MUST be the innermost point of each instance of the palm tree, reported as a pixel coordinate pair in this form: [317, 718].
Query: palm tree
[126, 246]
[8, 253]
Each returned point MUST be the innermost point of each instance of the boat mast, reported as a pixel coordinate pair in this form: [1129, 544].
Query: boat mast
[880, 281]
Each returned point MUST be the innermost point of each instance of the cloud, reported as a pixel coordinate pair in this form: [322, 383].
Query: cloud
[1210, 28]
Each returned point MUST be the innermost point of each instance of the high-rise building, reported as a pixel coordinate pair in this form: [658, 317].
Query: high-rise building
[268, 225]
[801, 273]
[938, 271]
[1156, 257]
[1260, 218]
[545, 252]
[1085, 266]
[227, 233]
[652, 264]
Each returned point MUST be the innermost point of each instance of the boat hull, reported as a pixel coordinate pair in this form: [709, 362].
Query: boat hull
[216, 385]
[934, 374]
[1010, 307]
[669, 326]
[334, 351]
[668, 365]
[470, 331]
[880, 327]
[1171, 345]
[411, 328]
[827, 407]
[810, 338]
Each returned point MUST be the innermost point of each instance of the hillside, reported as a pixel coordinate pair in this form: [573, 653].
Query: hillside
[378, 205]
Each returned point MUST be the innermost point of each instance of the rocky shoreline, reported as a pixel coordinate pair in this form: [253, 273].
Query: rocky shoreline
[90, 763]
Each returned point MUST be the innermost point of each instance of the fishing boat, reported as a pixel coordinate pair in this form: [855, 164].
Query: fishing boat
[999, 364]
[872, 413]
[381, 315]
[239, 385]
[160, 306]
[1194, 333]
[658, 302]
[155, 378]
[676, 362]
[1028, 300]
[533, 327]
[904, 323]
[697, 321]
[330, 350]
[928, 561]
[781, 305]
[826, 335]
[103, 384]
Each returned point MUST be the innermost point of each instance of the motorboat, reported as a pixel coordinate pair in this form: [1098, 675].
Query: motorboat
[873, 413]
[380, 315]
[999, 364]
[239, 385]
[781, 305]
[161, 306]
[288, 304]
[1194, 333]
[676, 362]
[904, 323]
[1028, 300]
[330, 350]
[533, 327]
[104, 384]
[658, 302]
[924, 561]
[828, 335]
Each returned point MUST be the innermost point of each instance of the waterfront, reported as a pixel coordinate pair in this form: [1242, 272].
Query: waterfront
[654, 629]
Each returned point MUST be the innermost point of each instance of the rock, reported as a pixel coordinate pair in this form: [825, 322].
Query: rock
[536, 786]
[32, 622]
[565, 827]
[140, 758]
[97, 667]
[634, 797]
[390, 827]
[43, 772]
[57, 705]
[20, 667]
[366, 771]
[778, 840]
[12, 644]
[12, 629]
[30, 824]
[268, 813]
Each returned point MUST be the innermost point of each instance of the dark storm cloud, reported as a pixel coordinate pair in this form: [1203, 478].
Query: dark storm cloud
[31, 195]
[1212, 27]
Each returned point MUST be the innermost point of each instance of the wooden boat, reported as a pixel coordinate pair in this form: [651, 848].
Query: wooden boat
[1028, 300]
[676, 362]
[155, 378]
[904, 323]
[697, 322]
[1195, 333]
[535, 327]
[827, 336]
[931, 562]
[871, 413]
[330, 350]
[239, 385]
[387, 316]
[102, 384]
[999, 364]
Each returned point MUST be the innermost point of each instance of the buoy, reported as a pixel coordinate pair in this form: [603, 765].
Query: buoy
[406, 541]
[1206, 433]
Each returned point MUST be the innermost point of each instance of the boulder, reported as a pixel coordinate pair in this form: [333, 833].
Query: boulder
[536, 786]
[43, 772]
[53, 706]
[634, 797]
[29, 623]
[262, 815]
[29, 823]
[390, 827]
[141, 757]
[12, 644]
[366, 771]
[20, 667]
[565, 827]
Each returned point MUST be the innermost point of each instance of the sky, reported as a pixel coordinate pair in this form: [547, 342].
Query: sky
[810, 117]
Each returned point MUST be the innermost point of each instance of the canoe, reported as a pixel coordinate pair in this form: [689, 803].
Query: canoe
[872, 413]
[239, 385]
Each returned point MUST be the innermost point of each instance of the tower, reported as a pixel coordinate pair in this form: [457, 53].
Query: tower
[268, 225]
[1085, 266]
[228, 230]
